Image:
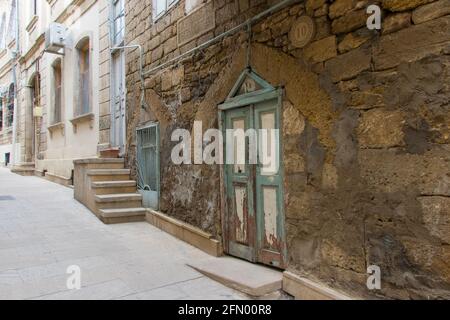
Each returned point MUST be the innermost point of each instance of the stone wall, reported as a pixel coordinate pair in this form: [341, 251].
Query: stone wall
[365, 132]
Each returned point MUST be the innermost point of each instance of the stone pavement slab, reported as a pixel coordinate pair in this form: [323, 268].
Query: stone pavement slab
[253, 279]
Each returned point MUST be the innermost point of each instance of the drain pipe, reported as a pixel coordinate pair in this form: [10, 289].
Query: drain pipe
[243, 25]
[141, 74]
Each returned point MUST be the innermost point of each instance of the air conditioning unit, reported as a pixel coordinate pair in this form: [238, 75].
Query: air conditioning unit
[55, 38]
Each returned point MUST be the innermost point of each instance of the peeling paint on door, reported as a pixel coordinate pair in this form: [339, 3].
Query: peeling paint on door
[241, 214]
[270, 216]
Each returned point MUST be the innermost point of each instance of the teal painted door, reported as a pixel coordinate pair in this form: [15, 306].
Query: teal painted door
[241, 220]
[254, 192]
[269, 187]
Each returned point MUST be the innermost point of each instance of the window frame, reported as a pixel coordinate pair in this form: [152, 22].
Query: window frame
[57, 64]
[12, 23]
[115, 17]
[194, 7]
[79, 110]
[10, 106]
[1, 113]
[2, 31]
[169, 4]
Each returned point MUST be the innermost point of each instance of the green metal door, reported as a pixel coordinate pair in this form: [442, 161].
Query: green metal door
[254, 192]
[147, 159]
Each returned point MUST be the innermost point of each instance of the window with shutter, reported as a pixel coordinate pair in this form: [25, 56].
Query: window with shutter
[84, 79]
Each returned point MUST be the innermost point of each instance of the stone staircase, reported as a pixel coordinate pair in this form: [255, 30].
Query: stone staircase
[105, 187]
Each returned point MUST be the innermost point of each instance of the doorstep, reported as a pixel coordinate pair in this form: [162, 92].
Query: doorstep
[249, 278]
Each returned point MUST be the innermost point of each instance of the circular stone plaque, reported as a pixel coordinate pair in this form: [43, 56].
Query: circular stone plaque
[302, 31]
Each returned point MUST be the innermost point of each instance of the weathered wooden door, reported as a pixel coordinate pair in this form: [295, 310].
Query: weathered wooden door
[269, 186]
[241, 219]
[254, 193]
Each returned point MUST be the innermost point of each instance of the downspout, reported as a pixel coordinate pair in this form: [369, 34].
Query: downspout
[112, 49]
[14, 76]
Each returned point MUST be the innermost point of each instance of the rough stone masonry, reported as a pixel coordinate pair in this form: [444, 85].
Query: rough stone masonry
[365, 127]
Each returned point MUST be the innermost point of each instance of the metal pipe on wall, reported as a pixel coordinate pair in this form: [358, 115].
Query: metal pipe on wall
[247, 24]
[141, 74]
[243, 25]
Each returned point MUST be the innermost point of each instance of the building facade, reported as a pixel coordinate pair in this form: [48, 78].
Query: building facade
[57, 92]
[7, 83]
[361, 111]
[363, 117]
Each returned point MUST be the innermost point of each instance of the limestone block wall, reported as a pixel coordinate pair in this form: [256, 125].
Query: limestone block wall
[365, 132]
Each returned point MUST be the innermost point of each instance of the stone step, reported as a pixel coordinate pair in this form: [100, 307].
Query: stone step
[26, 169]
[109, 174]
[114, 187]
[113, 184]
[100, 163]
[122, 212]
[118, 201]
[119, 197]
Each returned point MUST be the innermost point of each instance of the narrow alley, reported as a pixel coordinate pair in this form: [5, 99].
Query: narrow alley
[43, 231]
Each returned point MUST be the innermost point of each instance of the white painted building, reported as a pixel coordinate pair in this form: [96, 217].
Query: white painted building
[7, 46]
[58, 92]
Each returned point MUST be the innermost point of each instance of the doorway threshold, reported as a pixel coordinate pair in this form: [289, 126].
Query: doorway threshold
[252, 279]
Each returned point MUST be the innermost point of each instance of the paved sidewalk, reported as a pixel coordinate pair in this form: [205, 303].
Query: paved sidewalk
[43, 230]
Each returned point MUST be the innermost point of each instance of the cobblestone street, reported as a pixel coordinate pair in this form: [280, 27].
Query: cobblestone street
[43, 230]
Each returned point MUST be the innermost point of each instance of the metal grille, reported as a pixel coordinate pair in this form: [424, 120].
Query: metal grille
[148, 164]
